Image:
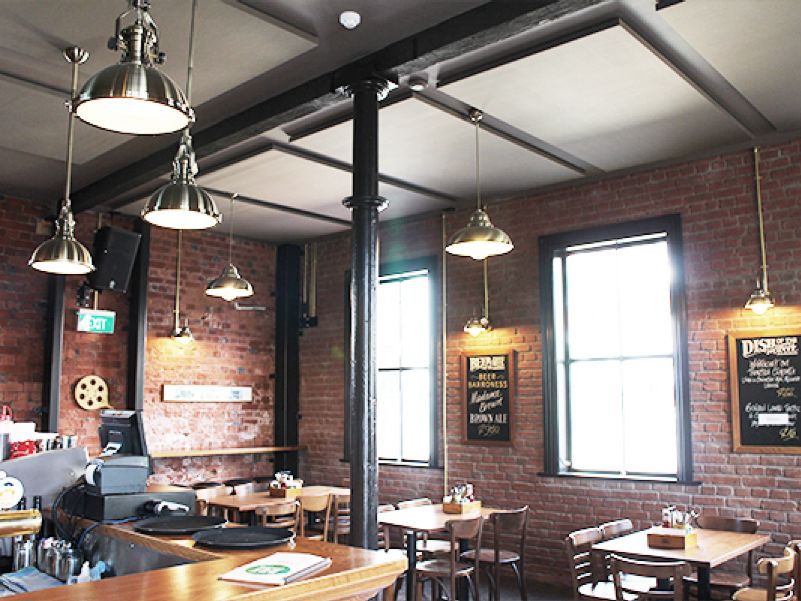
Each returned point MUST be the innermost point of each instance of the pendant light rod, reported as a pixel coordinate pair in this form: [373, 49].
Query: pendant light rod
[758, 184]
[476, 116]
[231, 229]
[486, 292]
[191, 61]
[177, 310]
[76, 56]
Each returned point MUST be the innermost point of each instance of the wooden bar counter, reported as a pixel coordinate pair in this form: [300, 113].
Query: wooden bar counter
[354, 575]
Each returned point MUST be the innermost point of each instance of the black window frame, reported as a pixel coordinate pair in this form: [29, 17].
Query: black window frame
[549, 247]
[431, 265]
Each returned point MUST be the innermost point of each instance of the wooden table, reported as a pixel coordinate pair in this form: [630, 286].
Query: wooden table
[715, 547]
[428, 519]
[252, 502]
[355, 574]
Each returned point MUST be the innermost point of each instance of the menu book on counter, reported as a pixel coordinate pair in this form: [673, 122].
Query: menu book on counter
[278, 568]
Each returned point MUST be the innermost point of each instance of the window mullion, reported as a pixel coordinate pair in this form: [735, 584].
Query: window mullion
[567, 365]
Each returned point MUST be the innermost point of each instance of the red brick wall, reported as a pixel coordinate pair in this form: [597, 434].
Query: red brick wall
[716, 201]
[232, 347]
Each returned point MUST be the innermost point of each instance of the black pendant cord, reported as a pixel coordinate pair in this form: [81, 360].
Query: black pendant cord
[763, 256]
[365, 205]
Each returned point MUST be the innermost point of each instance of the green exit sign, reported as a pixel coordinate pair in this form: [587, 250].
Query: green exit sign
[95, 321]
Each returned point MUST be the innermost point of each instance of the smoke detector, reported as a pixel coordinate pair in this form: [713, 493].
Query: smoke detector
[350, 19]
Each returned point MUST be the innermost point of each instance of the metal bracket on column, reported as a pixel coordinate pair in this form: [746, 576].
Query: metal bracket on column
[379, 202]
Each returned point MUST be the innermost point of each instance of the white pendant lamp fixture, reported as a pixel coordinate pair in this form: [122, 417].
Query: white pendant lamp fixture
[761, 299]
[230, 285]
[181, 204]
[179, 333]
[478, 325]
[63, 254]
[133, 96]
[479, 239]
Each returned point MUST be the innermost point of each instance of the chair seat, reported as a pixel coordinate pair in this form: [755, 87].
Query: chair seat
[434, 546]
[442, 567]
[750, 594]
[722, 580]
[488, 556]
[602, 590]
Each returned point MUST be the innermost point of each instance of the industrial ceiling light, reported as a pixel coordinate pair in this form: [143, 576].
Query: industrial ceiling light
[479, 239]
[350, 19]
[761, 299]
[63, 254]
[180, 333]
[181, 204]
[230, 285]
[478, 325]
[133, 96]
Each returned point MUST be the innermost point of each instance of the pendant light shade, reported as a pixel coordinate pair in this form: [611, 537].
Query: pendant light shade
[479, 239]
[183, 334]
[230, 285]
[63, 254]
[761, 299]
[477, 325]
[133, 96]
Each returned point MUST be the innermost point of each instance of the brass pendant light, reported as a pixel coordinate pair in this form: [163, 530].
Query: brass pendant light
[761, 299]
[181, 204]
[133, 96]
[478, 325]
[479, 239]
[63, 254]
[179, 333]
[230, 285]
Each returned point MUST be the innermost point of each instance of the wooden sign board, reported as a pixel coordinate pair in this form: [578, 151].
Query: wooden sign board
[765, 380]
[201, 393]
[488, 392]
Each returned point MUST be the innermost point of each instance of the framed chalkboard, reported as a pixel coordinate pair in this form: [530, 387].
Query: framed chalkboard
[488, 392]
[765, 379]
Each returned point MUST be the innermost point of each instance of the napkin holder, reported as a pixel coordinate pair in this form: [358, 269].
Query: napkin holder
[672, 538]
[469, 507]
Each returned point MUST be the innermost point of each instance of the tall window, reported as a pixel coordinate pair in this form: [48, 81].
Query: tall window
[614, 346]
[405, 364]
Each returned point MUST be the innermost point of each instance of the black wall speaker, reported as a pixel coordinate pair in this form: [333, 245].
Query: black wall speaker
[114, 254]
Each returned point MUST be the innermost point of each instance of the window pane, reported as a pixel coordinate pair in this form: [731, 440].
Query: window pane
[415, 331]
[389, 319]
[649, 416]
[415, 387]
[646, 327]
[595, 425]
[592, 304]
[388, 416]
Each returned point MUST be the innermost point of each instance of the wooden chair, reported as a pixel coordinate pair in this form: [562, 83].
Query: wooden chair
[615, 529]
[340, 517]
[385, 544]
[589, 581]
[675, 571]
[438, 570]
[507, 522]
[310, 508]
[283, 515]
[425, 545]
[727, 582]
[780, 585]
[245, 489]
[204, 495]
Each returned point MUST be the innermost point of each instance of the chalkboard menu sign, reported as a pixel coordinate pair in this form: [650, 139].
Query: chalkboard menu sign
[765, 376]
[488, 392]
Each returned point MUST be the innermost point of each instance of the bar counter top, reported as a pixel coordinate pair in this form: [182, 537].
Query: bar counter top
[354, 574]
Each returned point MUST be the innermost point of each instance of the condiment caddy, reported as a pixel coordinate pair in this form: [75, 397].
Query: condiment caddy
[285, 486]
[461, 500]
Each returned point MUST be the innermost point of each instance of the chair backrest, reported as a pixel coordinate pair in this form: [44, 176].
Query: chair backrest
[716, 522]
[279, 515]
[383, 529]
[340, 516]
[414, 503]
[616, 528]
[780, 572]
[578, 546]
[459, 530]
[673, 570]
[244, 489]
[204, 495]
[509, 522]
[315, 504]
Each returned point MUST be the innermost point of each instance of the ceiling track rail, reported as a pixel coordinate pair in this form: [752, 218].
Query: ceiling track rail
[36, 85]
[456, 108]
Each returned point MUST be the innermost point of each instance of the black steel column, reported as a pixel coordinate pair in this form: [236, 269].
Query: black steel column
[54, 344]
[365, 205]
[287, 354]
[137, 321]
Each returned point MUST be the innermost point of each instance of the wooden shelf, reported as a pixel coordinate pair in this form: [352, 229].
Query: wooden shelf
[229, 451]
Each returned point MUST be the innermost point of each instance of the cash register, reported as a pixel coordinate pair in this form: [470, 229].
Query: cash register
[116, 481]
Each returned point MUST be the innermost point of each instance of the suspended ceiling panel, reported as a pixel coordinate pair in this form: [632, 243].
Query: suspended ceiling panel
[604, 98]
[33, 118]
[754, 45]
[425, 146]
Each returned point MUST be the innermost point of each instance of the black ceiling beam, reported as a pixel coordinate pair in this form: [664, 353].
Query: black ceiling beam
[475, 29]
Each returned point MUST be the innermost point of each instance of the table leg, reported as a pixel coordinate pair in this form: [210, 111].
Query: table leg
[704, 588]
[411, 555]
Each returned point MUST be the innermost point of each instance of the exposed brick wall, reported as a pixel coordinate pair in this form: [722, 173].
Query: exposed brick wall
[716, 201]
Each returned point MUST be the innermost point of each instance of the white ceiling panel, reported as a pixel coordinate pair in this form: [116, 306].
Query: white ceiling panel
[604, 98]
[425, 146]
[755, 45]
